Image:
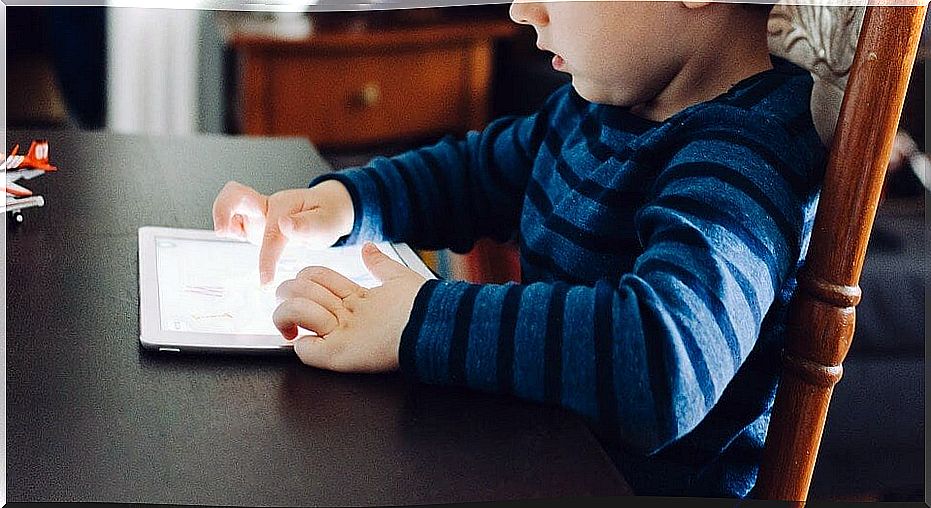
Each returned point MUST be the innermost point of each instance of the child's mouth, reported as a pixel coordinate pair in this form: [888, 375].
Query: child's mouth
[558, 63]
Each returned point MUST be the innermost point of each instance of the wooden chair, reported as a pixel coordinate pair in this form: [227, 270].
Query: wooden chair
[821, 319]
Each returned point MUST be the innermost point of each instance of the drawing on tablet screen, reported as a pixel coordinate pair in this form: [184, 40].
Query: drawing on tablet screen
[211, 286]
[216, 292]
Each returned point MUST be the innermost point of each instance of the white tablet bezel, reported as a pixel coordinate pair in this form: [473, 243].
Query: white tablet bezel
[151, 334]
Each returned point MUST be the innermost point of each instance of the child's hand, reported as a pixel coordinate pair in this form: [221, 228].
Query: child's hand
[318, 216]
[358, 329]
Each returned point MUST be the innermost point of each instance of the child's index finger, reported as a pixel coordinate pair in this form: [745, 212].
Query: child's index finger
[273, 243]
[338, 284]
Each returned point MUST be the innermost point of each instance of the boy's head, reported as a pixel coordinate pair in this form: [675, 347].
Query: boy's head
[627, 53]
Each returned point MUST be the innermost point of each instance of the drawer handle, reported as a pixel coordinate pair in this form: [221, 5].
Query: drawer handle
[368, 96]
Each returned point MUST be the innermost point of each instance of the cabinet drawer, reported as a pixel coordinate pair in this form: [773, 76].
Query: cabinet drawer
[352, 98]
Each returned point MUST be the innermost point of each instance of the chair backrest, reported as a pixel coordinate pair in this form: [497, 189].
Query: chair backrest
[823, 40]
[821, 317]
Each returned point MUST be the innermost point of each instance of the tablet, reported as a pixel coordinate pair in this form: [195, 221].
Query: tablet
[200, 292]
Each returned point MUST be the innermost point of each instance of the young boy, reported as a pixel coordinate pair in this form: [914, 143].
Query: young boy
[662, 202]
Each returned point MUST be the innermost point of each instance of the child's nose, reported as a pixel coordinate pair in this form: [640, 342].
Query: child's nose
[529, 12]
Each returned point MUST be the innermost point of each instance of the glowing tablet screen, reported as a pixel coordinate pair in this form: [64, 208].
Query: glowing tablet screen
[212, 286]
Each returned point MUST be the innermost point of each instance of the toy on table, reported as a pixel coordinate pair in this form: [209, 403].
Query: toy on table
[34, 163]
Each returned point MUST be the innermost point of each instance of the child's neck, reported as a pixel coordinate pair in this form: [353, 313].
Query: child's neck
[711, 71]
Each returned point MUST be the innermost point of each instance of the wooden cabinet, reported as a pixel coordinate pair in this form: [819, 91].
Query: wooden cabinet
[345, 88]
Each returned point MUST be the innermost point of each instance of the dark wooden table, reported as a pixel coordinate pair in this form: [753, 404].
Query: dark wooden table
[93, 417]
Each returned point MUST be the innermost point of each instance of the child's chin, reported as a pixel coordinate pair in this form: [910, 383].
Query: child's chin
[591, 93]
[584, 90]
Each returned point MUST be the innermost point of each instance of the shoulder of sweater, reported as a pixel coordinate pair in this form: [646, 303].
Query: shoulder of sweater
[783, 137]
[779, 96]
[787, 123]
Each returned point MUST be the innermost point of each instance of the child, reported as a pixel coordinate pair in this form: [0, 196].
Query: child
[662, 202]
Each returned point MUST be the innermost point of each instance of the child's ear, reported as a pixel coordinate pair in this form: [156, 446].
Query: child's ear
[695, 5]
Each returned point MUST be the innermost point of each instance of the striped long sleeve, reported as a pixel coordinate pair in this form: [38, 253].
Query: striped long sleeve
[657, 261]
[450, 194]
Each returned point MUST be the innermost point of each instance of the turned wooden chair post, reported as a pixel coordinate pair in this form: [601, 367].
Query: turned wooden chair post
[821, 319]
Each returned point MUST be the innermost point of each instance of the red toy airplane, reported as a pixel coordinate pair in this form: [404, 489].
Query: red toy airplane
[35, 158]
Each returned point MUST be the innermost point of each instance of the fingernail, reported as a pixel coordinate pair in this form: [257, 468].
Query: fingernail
[369, 248]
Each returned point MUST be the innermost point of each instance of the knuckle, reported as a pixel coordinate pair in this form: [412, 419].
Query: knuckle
[271, 231]
[334, 324]
[312, 273]
[343, 316]
[352, 303]
[344, 324]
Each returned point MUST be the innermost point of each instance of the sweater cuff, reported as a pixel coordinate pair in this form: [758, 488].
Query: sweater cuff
[453, 334]
[407, 349]
[366, 207]
[429, 340]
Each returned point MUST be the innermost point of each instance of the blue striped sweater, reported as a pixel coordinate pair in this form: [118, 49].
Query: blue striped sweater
[657, 259]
